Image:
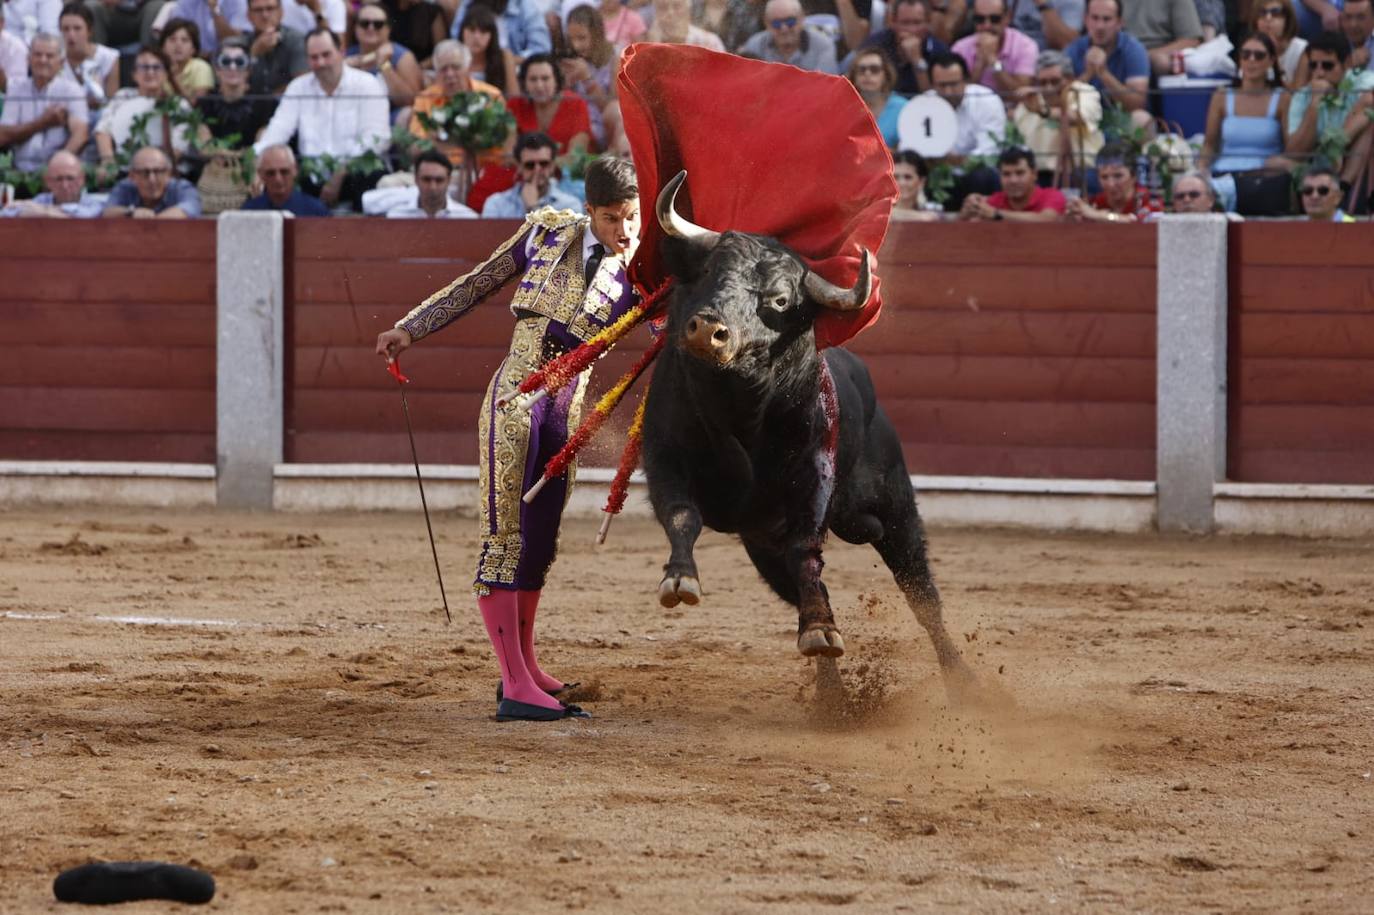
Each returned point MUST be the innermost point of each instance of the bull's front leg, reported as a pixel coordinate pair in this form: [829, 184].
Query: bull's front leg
[816, 630]
[681, 521]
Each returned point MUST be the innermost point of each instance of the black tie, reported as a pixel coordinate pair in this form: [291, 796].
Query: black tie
[593, 262]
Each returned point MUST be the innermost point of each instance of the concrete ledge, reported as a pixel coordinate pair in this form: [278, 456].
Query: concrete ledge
[1295, 510]
[127, 484]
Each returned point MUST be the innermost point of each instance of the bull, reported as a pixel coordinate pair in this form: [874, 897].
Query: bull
[750, 431]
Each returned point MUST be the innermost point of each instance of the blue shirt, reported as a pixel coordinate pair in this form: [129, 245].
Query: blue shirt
[179, 193]
[521, 27]
[298, 204]
[1128, 59]
[509, 205]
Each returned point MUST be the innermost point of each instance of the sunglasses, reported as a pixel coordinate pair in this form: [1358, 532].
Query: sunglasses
[1321, 190]
[1188, 195]
[1252, 54]
[232, 62]
[1272, 12]
[786, 22]
[869, 68]
[371, 23]
[148, 68]
[531, 165]
[1325, 64]
[994, 19]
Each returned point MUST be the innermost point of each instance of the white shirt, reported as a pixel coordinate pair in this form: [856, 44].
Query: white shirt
[409, 208]
[354, 120]
[90, 73]
[26, 18]
[117, 119]
[14, 57]
[298, 16]
[982, 120]
[25, 102]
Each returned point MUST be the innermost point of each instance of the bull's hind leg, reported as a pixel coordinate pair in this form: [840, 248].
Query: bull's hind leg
[794, 574]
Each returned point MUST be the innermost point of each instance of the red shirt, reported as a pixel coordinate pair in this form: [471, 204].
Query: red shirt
[1041, 199]
[1140, 204]
[570, 119]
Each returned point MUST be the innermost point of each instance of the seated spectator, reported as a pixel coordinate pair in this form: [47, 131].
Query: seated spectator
[1051, 24]
[451, 61]
[1163, 27]
[981, 117]
[998, 56]
[277, 172]
[429, 197]
[673, 25]
[1020, 199]
[374, 52]
[230, 114]
[418, 25]
[849, 21]
[214, 19]
[1055, 101]
[589, 66]
[1245, 122]
[151, 191]
[1321, 196]
[910, 171]
[521, 25]
[548, 108]
[277, 52]
[1121, 199]
[624, 26]
[336, 111]
[91, 66]
[909, 44]
[1193, 193]
[873, 75]
[43, 112]
[131, 22]
[14, 54]
[1357, 23]
[1317, 16]
[1277, 19]
[534, 186]
[1309, 118]
[1112, 61]
[307, 15]
[114, 130]
[491, 63]
[65, 196]
[191, 77]
[789, 40]
[27, 18]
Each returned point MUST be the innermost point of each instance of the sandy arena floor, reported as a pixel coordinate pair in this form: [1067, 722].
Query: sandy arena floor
[1192, 725]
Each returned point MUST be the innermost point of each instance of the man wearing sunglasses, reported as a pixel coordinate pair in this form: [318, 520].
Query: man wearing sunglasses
[230, 113]
[910, 43]
[1326, 101]
[788, 40]
[535, 185]
[277, 172]
[277, 52]
[1320, 193]
[152, 191]
[998, 56]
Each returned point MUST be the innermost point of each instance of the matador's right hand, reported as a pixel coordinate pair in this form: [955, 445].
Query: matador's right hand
[391, 343]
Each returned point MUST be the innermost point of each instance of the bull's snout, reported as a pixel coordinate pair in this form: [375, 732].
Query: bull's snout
[708, 338]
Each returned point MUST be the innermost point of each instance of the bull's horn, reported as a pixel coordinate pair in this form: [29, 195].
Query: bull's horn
[832, 296]
[673, 223]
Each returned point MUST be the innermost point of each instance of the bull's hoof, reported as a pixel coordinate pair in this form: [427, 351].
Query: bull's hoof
[674, 590]
[826, 643]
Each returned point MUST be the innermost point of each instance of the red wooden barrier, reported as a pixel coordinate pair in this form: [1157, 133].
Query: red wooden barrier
[108, 334]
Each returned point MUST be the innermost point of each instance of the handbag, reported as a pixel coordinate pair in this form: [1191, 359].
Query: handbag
[221, 185]
[1264, 193]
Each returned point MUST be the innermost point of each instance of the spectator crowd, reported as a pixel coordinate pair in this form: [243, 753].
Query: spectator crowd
[462, 108]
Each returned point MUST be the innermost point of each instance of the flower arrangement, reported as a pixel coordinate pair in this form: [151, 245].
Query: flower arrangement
[471, 120]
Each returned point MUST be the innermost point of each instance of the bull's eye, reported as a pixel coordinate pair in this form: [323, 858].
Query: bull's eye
[776, 302]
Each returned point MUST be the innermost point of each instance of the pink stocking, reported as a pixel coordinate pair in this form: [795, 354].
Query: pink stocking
[529, 604]
[501, 613]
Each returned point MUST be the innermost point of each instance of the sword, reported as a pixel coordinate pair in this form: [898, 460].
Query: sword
[394, 367]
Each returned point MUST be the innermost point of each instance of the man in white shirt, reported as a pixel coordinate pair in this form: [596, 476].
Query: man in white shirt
[429, 198]
[333, 110]
[45, 112]
[981, 116]
[65, 197]
[14, 54]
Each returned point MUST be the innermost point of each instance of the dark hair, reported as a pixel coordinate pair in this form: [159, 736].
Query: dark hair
[386, 14]
[1290, 18]
[534, 59]
[180, 25]
[78, 9]
[436, 157]
[1317, 171]
[1274, 76]
[602, 51]
[949, 59]
[535, 139]
[611, 180]
[1016, 154]
[1116, 153]
[1332, 43]
[482, 19]
[921, 3]
[914, 159]
[237, 42]
[324, 30]
[163, 59]
[889, 69]
[1120, 13]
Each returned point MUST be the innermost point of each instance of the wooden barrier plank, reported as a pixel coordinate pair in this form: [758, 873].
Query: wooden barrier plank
[387, 285]
[1046, 463]
[1080, 334]
[59, 365]
[1013, 424]
[117, 324]
[1305, 245]
[370, 411]
[1297, 465]
[1035, 378]
[113, 409]
[1307, 381]
[130, 241]
[1289, 291]
[348, 239]
[995, 287]
[64, 281]
[1335, 336]
[980, 245]
[392, 447]
[429, 365]
[490, 324]
[72, 445]
[1315, 427]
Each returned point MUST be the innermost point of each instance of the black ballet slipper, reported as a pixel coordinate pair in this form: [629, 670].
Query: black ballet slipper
[566, 687]
[110, 882]
[510, 710]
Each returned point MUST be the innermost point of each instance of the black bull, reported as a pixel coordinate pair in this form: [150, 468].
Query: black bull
[737, 436]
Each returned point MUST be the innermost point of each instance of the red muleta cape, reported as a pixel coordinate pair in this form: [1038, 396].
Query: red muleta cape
[769, 149]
